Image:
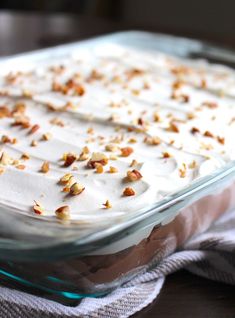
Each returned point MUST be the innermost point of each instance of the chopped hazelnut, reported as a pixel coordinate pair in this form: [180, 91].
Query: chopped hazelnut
[133, 175]
[113, 169]
[107, 205]
[154, 141]
[25, 156]
[69, 159]
[133, 163]
[20, 167]
[66, 179]
[221, 140]
[126, 151]
[34, 129]
[111, 147]
[208, 134]
[76, 189]
[97, 157]
[99, 168]
[38, 209]
[128, 192]
[34, 143]
[63, 213]
[46, 136]
[45, 167]
[194, 130]
[5, 159]
[166, 155]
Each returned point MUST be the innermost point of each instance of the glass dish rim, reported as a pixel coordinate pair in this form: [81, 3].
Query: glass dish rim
[92, 241]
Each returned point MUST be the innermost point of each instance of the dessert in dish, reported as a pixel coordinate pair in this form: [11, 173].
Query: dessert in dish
[106, 132]
[93, 138]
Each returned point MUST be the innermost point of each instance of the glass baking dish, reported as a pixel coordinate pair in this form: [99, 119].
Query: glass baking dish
[69, 262]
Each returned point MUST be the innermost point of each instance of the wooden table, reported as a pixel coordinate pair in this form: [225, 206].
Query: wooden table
[183, 295]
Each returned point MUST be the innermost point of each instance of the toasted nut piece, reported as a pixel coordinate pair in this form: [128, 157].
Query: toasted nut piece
[69, 159]
[128, 192]
[133, 175]
[111, 147]
[2, 170]
[34, 143]
[90, 131]
[57, 122]
[21, 167]
[166, 155]
[65, 179]
[25, 156]
[97, 157]
[192, 165]
[126, 151]
[113, 157]
[5, 159]
[85, 150]
[194, 130]
[208, 134]
[211, 105]
[173, 127]
[182, 171]
[34, 129]
[5, 139]
[63, 213]
[113, 169]
[83, 156]
[133, 163]
[154, 141]
[38, 209]
[99, 168]
[4, 112]
[221, 140]
[156, 117]
[45, 167]
[107, 205]
[46, 136]
[21, 120]
[76, 189]
[132, 140]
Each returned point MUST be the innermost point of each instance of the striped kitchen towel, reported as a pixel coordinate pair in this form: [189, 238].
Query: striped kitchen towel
[211, 255]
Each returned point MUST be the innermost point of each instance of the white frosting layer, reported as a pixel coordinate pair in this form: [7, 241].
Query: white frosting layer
[129, 95]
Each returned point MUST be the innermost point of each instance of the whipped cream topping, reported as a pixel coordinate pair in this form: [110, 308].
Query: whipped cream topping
[170, 120]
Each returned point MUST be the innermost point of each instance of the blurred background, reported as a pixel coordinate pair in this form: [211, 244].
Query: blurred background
[27, 24]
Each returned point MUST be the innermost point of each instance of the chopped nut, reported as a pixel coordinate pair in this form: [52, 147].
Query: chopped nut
[113, 157]
[211, 105]
[107, 205]
[154, 141]
[133, 175]
[194, 130]
[34, 143]
[111, 147]
[76, 189]
[66, 178]
[99, 168]
[21, 120]
[133, 163]
[45, 167]
[221, 140]
[46, 136]
[90, 131]
[166, 155]
[208, 134]
[112, 169]
[34, 129]
[128, 192]
[182, 171]
[192, 165]
[4, 112]
[126, 151]
[83, 156]
[25, 156]
[57, 122]
[97, 157]
[5, 159]
[63, 213]
[190, 116]
[19, 108]
[85, 150]
[173, 127]
[156, 117]
[5, 139]
[20, 167]
[69, 159]
[38, 209]
[132, 140]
